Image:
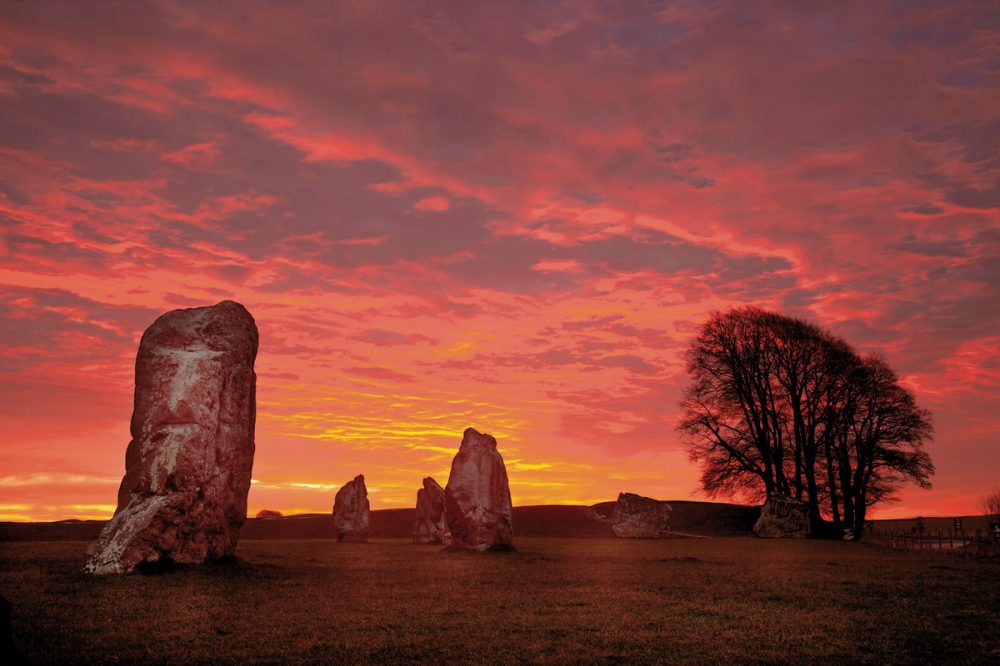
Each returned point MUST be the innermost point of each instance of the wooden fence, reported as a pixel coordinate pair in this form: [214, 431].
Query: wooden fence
[957, 543]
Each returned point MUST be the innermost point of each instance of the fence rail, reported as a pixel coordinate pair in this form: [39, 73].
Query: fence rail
[957, 543]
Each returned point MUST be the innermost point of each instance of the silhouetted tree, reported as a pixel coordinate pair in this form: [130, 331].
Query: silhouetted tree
[883, 446]
[991, 505]
[776, 405]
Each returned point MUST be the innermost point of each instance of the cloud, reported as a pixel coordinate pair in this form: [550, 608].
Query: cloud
[385, 338]
[378, 373]
[529, 207]
[196, 154]
[439, 204]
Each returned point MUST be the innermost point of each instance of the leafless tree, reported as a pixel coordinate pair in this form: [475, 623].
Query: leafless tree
[991, 505]
[776, 405]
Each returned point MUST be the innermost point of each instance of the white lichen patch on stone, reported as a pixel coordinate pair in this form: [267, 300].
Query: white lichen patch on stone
[120, 531]
[190, 367]
[165, 456]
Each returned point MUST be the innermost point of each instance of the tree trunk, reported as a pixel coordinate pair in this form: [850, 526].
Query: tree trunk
[859, 520]
[846, 486]
[831, 479]
[810, 469]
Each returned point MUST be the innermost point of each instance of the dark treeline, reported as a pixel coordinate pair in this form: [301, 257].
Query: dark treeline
[778, 405]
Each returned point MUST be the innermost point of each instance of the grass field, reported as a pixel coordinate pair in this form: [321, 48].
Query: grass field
[552, 601]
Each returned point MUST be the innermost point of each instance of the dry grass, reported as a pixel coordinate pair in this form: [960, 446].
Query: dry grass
[552, 601]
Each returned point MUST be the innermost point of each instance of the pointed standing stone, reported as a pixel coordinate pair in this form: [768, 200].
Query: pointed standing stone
[187, 468]
[477, 498]
[429, 524]
[350, 511]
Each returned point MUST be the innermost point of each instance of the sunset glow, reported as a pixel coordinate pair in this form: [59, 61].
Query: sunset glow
[440, 219]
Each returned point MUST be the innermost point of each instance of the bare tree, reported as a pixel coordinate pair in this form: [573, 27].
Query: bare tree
[776, 405]
[883, 448]
[726, 416]
[991, 505]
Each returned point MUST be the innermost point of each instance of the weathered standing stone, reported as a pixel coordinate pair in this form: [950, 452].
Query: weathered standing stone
[429, 525]
[350, 511]
[477, 497]
[638, 517]
[187, 468]
[782, 517]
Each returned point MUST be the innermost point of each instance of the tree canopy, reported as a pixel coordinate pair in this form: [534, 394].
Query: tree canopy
[777, 405]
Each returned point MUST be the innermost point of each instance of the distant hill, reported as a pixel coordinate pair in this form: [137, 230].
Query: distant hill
[587, 522]
[62, 530]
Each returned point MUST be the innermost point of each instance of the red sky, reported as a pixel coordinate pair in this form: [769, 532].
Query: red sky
[505, 215]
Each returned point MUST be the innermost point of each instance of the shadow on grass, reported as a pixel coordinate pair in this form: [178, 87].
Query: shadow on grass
[687, 559]
[232, 567]
[496, 549]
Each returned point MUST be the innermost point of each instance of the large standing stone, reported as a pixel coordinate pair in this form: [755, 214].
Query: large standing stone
[187, 468]
[350, 511]
[429, 525]
[477, 498]
[638, 517]
[782, 517]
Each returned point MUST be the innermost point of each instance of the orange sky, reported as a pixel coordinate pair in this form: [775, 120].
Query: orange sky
[441, 217]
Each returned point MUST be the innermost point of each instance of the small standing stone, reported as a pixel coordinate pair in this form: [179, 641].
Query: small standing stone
[429, 525]
[350, 511]
[638, 517]
[782, 517]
